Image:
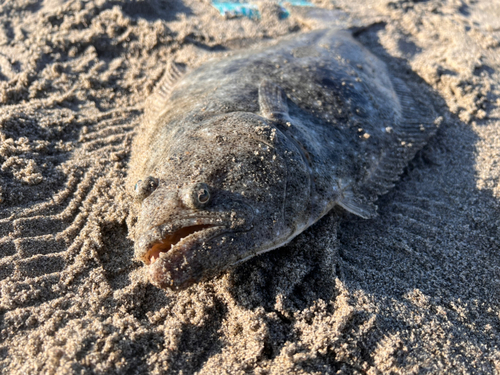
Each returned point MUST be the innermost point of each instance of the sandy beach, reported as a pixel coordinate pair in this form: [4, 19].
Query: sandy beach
[413, 291]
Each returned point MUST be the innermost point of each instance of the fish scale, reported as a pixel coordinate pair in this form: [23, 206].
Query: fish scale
[271, 140]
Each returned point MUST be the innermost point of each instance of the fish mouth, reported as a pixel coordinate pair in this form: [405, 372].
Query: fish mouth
[182, 237]
[185, 249]
[171, 251]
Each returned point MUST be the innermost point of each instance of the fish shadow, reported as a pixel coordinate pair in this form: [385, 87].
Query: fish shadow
[296, 274]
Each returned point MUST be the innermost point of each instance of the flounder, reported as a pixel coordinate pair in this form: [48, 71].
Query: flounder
[243, 154]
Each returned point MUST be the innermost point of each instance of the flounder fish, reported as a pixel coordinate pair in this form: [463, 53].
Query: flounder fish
[241, 155]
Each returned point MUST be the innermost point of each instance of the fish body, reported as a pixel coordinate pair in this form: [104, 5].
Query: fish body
[242, 154]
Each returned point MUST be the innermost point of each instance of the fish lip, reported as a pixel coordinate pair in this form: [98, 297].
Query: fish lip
[159, 233]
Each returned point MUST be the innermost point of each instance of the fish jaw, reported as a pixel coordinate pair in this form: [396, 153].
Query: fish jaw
[190, 246]
[171, 251]
[183, 264]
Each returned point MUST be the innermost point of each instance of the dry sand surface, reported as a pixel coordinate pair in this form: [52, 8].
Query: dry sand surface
[413, 291]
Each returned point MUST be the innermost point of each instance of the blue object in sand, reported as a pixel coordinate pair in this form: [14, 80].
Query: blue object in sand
[230, 9]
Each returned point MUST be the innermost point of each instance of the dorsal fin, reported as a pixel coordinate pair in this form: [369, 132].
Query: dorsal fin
[272, 101]
[164, 88]
[411, 132]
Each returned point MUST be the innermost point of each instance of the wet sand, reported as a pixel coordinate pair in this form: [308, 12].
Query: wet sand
[412, 291]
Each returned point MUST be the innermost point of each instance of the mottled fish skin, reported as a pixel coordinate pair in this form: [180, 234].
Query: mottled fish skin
[243, 154]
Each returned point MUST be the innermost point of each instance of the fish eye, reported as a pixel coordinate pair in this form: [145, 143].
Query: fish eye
[198, 196]
[203, 195]
[144, 188]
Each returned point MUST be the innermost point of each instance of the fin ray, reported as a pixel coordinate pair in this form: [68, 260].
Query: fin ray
[273, 101]
[349, 202]
[413, 129]
[164, 88]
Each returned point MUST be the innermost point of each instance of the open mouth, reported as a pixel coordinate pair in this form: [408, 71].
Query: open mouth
[174, 239]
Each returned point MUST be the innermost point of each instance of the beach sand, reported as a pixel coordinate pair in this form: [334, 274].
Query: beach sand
[412, 291]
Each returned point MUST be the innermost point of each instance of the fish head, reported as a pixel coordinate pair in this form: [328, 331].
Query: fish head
[231, 187]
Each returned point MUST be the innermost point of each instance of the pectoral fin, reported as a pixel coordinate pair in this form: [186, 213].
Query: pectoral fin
[350, 203]
[272, 101]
